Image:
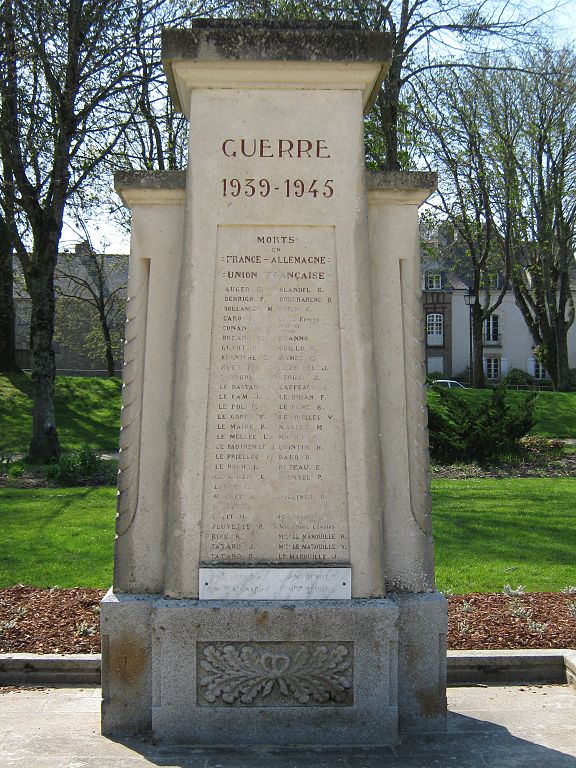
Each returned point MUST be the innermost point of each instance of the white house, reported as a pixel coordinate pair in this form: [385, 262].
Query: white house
[507, 341]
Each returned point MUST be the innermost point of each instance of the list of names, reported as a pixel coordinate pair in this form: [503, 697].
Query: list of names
[274, 476]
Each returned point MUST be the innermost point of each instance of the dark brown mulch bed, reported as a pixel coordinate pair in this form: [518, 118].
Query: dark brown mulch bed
[532, 620]
[49, 620]
[67, 620]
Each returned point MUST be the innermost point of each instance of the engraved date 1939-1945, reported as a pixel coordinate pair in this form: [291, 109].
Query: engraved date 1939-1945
[286, 188]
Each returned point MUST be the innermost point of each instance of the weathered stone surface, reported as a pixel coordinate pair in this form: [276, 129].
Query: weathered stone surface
[273, 672]
[149, 180]
[423, 183]
[126, 663]
[422, 629]
[232, 39]
[268, 56]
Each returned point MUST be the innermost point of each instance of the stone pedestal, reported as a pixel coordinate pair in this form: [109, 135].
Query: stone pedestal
[274, 547]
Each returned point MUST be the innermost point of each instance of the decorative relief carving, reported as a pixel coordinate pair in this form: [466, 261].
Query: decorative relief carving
[419, 462]
[275, 674]
[132, 389]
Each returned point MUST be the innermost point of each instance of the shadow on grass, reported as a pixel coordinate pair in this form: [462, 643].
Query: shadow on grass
[22, 382]
[88, 411]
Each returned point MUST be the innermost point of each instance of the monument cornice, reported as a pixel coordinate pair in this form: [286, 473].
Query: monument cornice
[400, 187]
[150, 187]
[213, 54]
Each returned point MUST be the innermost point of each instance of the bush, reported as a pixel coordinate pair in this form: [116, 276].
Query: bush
[538, 445]
[518, 377]
[462, 432]
[83, 466]
[16, 469]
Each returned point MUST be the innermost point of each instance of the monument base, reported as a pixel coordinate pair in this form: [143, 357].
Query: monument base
[271, 672]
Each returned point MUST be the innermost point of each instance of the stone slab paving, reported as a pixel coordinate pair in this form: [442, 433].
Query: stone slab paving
[489, 727]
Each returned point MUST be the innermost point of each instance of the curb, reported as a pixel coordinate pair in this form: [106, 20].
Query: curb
[464, 667]
[50, 668]
[546, 665]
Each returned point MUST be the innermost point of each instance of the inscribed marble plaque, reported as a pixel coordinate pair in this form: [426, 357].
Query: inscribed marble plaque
[274, 475]
[275, 583]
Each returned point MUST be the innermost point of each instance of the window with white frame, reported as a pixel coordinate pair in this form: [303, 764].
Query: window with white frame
[492, 368]
[536, 369]
[433, 281]
[434, 329]
[492, 330]
[539, 371]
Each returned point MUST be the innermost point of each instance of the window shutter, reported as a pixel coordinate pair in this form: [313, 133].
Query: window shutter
[503, 367]
[485, 366]
[531, 366]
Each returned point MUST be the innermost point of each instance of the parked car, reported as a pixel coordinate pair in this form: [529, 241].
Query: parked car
[448, 383]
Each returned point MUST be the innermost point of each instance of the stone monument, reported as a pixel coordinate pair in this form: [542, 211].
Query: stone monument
[274, 578]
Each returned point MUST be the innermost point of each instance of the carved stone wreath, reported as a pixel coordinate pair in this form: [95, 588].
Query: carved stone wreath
[275, 674]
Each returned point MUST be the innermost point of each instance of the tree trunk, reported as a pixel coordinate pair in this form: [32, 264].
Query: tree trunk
[388, 99]
[7, 310]
[108, 345]
[44, 445]
[478, 347]
[562, 364]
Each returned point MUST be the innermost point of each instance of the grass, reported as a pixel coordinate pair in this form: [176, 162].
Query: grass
[489, 533]
[555, 412]
[57, 537]
[87, 411]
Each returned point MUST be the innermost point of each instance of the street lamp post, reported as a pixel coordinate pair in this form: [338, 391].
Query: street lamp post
[470, 299]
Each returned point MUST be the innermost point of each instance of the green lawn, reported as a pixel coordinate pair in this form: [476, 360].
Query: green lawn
[489, 533]
[87, 411]
[57, 536]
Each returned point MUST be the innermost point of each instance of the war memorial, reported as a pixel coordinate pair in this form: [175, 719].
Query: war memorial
[274, 573]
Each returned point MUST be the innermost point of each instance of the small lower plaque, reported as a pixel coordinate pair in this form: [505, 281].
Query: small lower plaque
[275, 584]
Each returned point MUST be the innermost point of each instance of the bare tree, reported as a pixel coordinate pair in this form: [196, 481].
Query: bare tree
[91, 292]
[157, 135]
[425, 35]
[7, 310]
[545, 221]
[62, 68]
[504, 139]
[454, 116]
